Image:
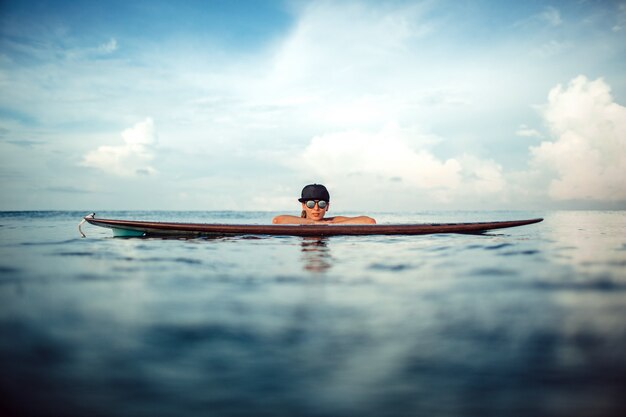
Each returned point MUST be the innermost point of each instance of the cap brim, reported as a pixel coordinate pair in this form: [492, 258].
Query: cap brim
[302, 200]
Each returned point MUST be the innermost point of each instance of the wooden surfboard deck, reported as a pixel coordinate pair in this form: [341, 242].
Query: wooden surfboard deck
[133, 228]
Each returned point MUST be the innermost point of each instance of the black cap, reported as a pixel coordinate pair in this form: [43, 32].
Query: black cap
[314, 192]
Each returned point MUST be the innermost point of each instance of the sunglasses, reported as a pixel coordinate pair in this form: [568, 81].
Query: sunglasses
[320, 203]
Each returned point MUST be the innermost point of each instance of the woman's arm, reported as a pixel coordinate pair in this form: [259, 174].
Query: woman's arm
[287, 219]
[352, 220]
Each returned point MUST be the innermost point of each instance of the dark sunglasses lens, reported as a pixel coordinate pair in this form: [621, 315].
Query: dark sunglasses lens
[321, 204]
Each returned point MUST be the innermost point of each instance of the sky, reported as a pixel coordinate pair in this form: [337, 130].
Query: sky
[236, 105]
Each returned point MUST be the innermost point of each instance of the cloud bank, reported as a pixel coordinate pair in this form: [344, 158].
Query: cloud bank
[587, 158]
[130, 159]
[583, 159]
[397, 159]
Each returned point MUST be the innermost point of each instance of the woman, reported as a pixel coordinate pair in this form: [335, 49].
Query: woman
[315, 201]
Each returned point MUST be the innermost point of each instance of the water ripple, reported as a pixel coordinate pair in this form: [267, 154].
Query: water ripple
[498, 246]
[390, 267]
[493, 272]
[521, 252]
[8, 270]
[603, 285]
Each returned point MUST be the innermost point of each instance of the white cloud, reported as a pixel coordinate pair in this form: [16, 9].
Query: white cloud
[587, 159]
[398, 158]
[551, 15]
[386, 154]
[550, 49]
[525, 131]
[480, 176]
[340, 48]
[620, 18]
[109, 47]
[130, 159]
[85, 53]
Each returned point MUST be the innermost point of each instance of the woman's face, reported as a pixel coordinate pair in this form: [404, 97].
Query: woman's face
[316, 213]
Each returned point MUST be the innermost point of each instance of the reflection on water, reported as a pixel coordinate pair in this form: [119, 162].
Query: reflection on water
[592, 244]
[522, 322]
[316, 256]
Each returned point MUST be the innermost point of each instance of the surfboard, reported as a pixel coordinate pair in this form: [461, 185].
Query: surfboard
[134, 228]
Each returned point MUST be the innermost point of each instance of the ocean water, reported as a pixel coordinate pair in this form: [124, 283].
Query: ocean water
[527, 321]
